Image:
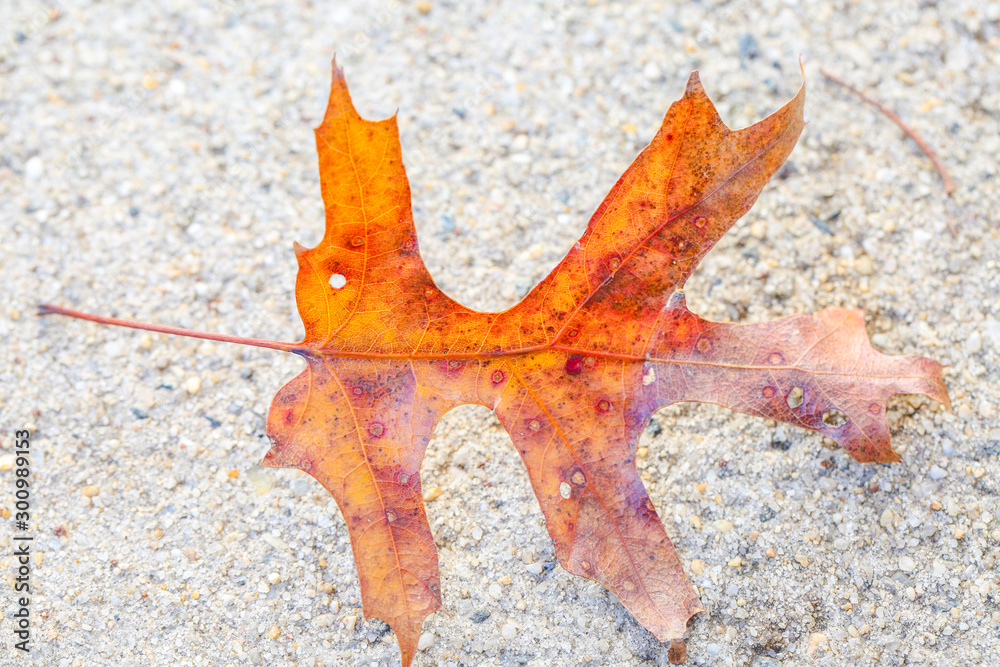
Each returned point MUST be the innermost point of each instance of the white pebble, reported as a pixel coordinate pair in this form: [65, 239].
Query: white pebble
[477, 533]
[426, 641]
[937, 472]
[259, 480]
[907, 564]
[508, 631]
[974, 343]
[34, 168]
[192, 385]
[991, 329]
[987, 410]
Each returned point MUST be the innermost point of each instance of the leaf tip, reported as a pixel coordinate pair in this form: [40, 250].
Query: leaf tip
[340, 103]
[694, 87]
[677, 653]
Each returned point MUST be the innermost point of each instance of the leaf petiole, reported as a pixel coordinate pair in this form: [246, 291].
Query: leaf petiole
[48, 309]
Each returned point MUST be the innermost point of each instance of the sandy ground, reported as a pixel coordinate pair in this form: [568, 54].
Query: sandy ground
[157, 162]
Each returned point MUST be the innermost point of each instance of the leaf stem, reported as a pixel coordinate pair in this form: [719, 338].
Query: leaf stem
[48, 309]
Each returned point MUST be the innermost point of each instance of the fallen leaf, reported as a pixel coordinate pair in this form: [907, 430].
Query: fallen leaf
[574, 371]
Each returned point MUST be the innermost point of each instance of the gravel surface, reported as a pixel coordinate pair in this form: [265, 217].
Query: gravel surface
[158, 161]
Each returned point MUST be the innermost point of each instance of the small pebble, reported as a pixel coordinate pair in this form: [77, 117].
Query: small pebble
[987, 410]
[432, 494]
[721, 525]
[907, 564]
[34, 168]
[477, 533]
[802, 560]
[426, 641]
[275, 541]
[974, 343]
[736, 562]
[192, 385]
[748, 46]
[259, 480]
[937, 472]
[887, 518]
[91, 491]
[816, 640]
[508, 631]
[350, 622]
[275, 632]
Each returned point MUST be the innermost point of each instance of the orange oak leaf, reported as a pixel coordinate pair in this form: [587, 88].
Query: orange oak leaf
[574, 371]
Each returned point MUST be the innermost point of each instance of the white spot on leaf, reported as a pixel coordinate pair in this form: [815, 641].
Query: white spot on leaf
[337, 281]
